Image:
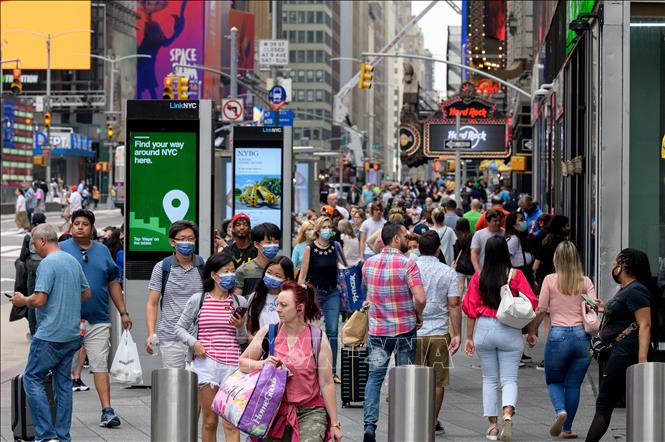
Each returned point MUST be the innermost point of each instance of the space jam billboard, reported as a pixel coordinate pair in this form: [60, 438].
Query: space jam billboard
[175, 31]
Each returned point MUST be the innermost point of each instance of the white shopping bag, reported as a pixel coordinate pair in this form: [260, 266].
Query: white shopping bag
[126, 367]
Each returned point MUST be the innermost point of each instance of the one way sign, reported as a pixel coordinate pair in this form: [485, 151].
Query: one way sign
[458, 144]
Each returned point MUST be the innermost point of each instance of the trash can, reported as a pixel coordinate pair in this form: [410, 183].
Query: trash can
[411, 412]
[645, 402]
[173, 403]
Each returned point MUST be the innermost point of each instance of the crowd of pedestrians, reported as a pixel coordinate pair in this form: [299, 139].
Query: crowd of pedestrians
[427, 261]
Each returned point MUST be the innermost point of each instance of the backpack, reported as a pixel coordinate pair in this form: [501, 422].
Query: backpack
[268, 343]
[166, 271]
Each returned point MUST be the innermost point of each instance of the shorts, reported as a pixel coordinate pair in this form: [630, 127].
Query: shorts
[432, 351]
[211, 372]
[174, 354]
[97, 344]
[312, 425]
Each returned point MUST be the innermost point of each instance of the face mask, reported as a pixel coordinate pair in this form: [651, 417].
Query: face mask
[227, 280]
[185, 248]
[270, 250]
[327, 234]
[415, 252]
[272, 282]
[310, 235]
[615, 276]
[522, 226]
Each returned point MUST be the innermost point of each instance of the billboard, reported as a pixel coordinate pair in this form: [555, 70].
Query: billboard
[488, 138]
[170, 32]
[24, 26]
[158, 202]
[257, 178]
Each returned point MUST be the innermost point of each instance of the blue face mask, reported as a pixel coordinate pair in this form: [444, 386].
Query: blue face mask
[227, 280]
[327, 234]
[522, 226]
[272, 282]
[185, 248]
[270, 250]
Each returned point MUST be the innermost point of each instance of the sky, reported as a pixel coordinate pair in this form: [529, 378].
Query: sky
[435, 31]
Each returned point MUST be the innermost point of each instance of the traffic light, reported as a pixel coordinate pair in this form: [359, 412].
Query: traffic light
[47, 119]
[17, 86]
[98, 167]
[183, 88]
[109, 131]
[366, 76]
[168, 88]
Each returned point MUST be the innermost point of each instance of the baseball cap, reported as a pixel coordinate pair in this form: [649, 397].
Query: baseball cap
[38, 218]
[328, 209]
[241, 215]
[420, 228]
[73, 187]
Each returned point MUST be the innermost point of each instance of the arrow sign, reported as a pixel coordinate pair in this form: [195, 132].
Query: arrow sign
[232, 110]
[458, 144]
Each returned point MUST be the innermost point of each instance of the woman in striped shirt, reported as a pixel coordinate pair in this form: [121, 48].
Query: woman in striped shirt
[213, 326]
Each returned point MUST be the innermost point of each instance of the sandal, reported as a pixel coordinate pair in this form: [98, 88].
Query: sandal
[492, 432]
[507, 430]
[557, 425]
[568, 435]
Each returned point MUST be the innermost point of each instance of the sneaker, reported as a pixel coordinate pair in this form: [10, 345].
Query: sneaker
[369, 436]
[78, 385]
[522, 364]
[526, 358]
[438, 429]
[109, 419]
[557, 425]
[541, 365]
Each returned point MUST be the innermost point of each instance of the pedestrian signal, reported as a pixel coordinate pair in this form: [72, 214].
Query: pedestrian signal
[17, 86]
[168, 88]
[366, 76]
[183, 88]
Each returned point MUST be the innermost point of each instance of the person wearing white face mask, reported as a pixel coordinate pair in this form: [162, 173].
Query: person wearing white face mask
[174, 280]
[516, 235]
[212, 326]
[319, 268]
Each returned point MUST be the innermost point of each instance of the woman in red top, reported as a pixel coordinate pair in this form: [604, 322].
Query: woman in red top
[499, 346]
[309, 408]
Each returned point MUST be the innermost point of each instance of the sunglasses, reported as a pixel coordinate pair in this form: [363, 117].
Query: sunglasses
[84, 255]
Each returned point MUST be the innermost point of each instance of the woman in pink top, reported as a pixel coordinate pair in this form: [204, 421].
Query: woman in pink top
[567, 355]
[499, 346]
[309, 408]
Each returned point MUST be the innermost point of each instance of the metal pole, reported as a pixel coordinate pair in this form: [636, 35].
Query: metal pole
[369, 123]
[48, 107]
[234, 62]
[273, 35]
[111, 108]
[458, 155]
[341, 176]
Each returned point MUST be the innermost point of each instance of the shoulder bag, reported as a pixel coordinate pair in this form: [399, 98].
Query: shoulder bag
[514, 311]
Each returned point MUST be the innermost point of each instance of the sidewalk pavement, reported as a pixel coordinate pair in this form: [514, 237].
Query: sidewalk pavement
[461, 413]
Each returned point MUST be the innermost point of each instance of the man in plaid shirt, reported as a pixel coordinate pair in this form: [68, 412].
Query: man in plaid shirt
[397, 299]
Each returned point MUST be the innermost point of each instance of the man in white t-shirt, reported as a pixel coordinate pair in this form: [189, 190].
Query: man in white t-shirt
[369, 227]
[332, 202]
[494, 218]
[74, 200]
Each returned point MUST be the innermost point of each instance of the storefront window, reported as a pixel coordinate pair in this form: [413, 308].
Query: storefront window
[647, 135]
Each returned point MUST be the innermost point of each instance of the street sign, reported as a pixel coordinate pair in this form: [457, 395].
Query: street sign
[458, 144]
[232, 109]
[39, 103]
[274, 52]
[277, 97]
[285, 119]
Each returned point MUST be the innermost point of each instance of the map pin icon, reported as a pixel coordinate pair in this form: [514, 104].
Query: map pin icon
[175, 211]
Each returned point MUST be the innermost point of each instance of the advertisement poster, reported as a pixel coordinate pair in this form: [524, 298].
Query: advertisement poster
[257, 188]
[170, 32]
[301, 188]
[155, 202]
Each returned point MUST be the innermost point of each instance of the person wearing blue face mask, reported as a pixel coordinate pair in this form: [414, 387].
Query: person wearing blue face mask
[265, 238]
[517, 237]
[262, 307]
[319, 268]
[212, 326]
[174, 280]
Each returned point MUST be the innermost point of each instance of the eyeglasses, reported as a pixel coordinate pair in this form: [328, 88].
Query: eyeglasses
[84, 255]
[188, 239]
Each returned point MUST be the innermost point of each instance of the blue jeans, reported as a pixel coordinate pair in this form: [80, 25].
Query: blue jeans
[56, 357]
[380, 348]
[329, 300]
[500, 349]
[567, 359]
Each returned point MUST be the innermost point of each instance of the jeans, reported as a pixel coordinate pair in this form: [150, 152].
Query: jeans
[567, 359]
[380, 348]
[500, 349]
[56, 357]
[329, 300]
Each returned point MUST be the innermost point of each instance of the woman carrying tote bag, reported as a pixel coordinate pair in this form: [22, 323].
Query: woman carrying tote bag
[499, 346]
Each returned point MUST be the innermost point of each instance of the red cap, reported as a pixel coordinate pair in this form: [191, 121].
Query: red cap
[74, 187]
[241, 215]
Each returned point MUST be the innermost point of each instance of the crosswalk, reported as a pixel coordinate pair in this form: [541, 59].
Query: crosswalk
[10, 252]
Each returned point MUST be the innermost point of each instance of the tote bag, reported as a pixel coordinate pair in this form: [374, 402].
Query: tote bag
[514, 311]
[356, 329]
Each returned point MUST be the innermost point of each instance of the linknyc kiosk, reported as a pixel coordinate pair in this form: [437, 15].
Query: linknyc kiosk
[169, 177]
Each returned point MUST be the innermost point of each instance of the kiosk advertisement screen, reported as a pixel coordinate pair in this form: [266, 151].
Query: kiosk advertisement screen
[258, 184]
[163, 180]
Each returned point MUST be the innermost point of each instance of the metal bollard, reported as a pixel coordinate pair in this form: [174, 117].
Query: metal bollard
[645, 402]
[173, 403]
[411, 412]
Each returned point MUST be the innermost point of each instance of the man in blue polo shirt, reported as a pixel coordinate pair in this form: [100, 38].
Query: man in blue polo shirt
[102, 274]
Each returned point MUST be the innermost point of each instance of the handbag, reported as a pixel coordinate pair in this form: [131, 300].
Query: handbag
[126, 367]
[350, 285]
[250, 401]
[599, 348]
[590, 319]
[356, 329]
[514, 311]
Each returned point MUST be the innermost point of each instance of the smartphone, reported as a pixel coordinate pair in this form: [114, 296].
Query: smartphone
[240, 311]
[589, 300]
